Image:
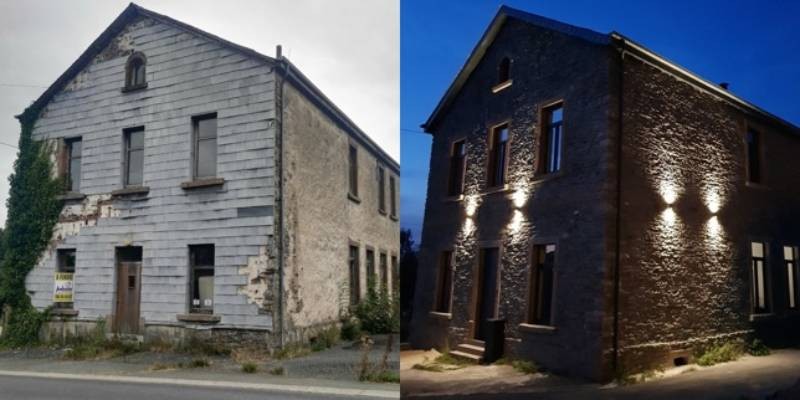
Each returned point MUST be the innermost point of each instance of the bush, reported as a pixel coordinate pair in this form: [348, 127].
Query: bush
[325, 340]
[379, 312]
[277, 371]
[758, 348]
[526, 367]
[249, 368]
[720, 353]
[351, 329]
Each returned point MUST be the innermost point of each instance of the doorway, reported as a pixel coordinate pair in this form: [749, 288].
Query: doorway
[129, 288]
[486, 301]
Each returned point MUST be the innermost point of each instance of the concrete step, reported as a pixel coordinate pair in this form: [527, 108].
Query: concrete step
[471, 349]
[466, 356]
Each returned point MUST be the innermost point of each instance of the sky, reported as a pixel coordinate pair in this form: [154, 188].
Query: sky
[753, 45]
[348, 48]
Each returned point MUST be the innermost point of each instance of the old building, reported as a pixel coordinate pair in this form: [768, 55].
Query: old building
[209, 190]
[617, 211]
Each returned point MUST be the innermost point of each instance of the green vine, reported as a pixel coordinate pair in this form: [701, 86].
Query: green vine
[33, 209]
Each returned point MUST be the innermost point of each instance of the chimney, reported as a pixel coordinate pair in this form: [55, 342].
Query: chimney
[278, 51]
[724, 85]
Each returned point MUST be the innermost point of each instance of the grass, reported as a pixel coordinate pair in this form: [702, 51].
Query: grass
[525, 367]
[326, 339]
[292, 350]
[758, 348]
[277, 371]
[383, 377]
[95, 349]
[720, 353]
[249, 368]
[430, 367]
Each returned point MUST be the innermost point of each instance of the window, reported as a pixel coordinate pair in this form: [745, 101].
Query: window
[504, 70]
[458, 156]
[355, 276]
[65, 269]
[134, 156]
[790, 259]
[753, 156]
[74, 154]
[759, 276]
[201, 258]
[205, 146]
[393, 196]
[498, 149]
[395, 274]
[381, 190]
[370, 269]
[384, 271]
[353, 170]
[135, 71]
[550, 139]
[445, 281]
[540, 301]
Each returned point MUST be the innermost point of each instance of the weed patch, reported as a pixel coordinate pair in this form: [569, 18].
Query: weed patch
[249, 368]
[720, 353]
[277, 371]
[758, 348]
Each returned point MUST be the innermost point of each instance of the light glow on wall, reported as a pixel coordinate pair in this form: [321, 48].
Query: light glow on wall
[712, 199]
[516, 222]
[668, 217]
[669, 191]
[471, 204]
[520, 195]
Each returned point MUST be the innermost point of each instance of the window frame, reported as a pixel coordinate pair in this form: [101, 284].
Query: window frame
[381, 189]
[370, 266]
[759, 153]
[503, 78]
[452, 191]
[193, 268]
[755, 309]
[392, 196]
[383, 271]
[196, 145]
[131, 83]
[354, 273]
[352, 171]
[790, 266]
[126, 166]
[491, 167]
[542, 138]
[445, 268]
[68, 146]
[533, 294]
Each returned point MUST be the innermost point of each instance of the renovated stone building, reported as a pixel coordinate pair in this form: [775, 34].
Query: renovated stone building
[209, 189]
[615, 210]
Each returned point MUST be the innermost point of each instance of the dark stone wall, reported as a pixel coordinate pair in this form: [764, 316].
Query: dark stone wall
[685, 270]
[571, 208]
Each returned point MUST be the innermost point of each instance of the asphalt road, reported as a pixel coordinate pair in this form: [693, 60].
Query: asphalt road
[19, 388]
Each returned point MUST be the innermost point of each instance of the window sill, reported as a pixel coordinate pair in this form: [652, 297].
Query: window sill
[199, 318]
[131, 191]
[393, 217]
[532, 328]
[64, 312]
[353, 198]
[382, 212]
[71, 196]
[502, 85]
[440, 315]
[495, 189]
[128, 89]
[453, 199]
[761, 317]
[546, 176]
[754, 185]
[202, 183]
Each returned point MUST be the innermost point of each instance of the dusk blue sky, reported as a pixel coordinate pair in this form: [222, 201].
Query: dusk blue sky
[753, 45]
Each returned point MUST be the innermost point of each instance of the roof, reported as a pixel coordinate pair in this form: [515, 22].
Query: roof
[293, 75]
[616, 39]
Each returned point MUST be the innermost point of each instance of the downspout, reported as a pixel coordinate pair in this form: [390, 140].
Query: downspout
[281, 78]
[618, 216]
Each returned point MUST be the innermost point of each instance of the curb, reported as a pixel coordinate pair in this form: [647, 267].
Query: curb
[383, 394]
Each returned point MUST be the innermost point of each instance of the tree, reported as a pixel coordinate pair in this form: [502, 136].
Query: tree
[408, 280]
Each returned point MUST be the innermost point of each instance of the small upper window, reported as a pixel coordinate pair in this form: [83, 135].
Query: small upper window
[504, 70]
[753, 156]
[135, 71]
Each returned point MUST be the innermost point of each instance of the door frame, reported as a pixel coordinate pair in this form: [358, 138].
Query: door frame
[116, 315]
[477, 282]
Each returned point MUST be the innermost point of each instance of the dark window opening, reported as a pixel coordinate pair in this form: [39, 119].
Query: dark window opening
[458, 156]
[759, 278]
[74, 156]
[393, 196]
[680, 361]
[445, 279]
[205, 146]
[504, 70]
[201, 259]
[135, 71]
[381, 190]
[353, 170]
[551, 139]
[134, 156]
[370, 269]
[541, 285]
[355, 276]
[498, 155]
[384, 273]
[753, 156]
[395, 275]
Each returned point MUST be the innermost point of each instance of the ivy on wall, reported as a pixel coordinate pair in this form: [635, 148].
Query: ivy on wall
[33, 209]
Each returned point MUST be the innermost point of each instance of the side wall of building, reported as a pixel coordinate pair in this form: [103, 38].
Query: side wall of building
[570, 209]
[187, 75]
[321, 221]
[685, 267]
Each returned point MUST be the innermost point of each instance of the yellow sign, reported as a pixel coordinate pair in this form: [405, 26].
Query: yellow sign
[63, 288]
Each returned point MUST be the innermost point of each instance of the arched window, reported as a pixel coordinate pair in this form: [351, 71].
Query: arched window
[135, 71]
[504, 70]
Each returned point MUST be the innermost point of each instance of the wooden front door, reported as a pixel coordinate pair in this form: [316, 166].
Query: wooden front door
[126, 316]
[486, 301]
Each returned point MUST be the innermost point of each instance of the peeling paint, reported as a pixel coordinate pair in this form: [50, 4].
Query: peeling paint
[260, 272]
[74, 217]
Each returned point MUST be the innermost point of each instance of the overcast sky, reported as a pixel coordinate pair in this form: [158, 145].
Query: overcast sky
[348, 48]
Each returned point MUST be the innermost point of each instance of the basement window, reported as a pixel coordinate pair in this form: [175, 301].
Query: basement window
[135, 72]
[540, 301]
[355, 276]
[498, 156]
[381, 190]
[205, 146]
[550, 138]
[753, 156]
[759, 278]
[134, 156]
[74, 156]
[790, 261]
[201, 258]
[458, 157]
[445, 283]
